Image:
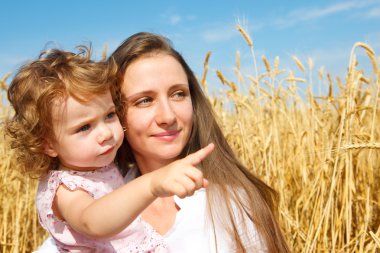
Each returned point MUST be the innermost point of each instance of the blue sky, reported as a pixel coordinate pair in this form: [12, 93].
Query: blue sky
[323, 30]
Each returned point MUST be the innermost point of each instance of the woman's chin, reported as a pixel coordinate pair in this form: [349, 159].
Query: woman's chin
[168, 154]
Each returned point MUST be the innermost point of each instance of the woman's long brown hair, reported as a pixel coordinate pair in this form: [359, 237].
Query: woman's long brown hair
[232, 187]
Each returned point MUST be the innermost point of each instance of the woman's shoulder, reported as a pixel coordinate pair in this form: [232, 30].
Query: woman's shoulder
[234, 202]
[48, 246]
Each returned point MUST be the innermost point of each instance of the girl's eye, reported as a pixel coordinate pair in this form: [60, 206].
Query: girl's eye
[143, 101]
[84, 128]
[111, 115]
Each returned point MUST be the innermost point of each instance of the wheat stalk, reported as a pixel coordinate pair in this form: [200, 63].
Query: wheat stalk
[299, 63]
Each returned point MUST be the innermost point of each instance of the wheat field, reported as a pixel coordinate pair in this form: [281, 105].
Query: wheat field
[321, 153]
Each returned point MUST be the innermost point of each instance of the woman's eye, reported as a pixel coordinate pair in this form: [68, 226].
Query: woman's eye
[143, 101]
[179, 94]
[84, 128]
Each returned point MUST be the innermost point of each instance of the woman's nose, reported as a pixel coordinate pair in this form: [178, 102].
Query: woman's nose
[165, 113]
[105, 133]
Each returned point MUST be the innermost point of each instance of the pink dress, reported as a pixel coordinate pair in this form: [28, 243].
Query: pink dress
[137, 237]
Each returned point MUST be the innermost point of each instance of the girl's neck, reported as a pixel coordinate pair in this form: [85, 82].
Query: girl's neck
[73, 168]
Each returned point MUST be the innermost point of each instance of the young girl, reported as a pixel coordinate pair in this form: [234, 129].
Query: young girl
[66, 131]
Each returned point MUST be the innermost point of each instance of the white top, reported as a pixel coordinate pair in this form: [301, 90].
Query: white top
[191, 231]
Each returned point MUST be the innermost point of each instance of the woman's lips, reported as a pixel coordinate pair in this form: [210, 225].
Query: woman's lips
[167, 136]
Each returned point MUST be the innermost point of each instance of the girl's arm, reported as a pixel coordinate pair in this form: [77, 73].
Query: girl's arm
[113, 212]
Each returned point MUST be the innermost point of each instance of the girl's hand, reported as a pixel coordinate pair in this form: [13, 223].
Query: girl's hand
[181, 177]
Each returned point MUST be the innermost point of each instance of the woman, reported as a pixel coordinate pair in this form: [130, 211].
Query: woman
[166, 117]
[161, 92]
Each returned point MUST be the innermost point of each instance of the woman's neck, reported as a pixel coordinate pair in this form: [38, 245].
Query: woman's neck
[147, 165]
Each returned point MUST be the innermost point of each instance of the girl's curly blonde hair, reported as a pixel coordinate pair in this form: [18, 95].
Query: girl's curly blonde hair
[55, 75]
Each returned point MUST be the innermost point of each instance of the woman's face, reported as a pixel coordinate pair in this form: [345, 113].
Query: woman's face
[159, 108]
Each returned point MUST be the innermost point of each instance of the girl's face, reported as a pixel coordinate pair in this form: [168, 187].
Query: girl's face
[159, 108]
[87, 134]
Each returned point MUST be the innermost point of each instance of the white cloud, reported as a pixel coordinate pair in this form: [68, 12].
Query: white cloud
[374, 13]
[306, 14]
[336, 60]
[173, 18]
[190, 17]
[219, 33]
[331, 57]
[225, 32]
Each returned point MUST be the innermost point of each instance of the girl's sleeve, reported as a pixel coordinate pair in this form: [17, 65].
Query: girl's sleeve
[48, 188]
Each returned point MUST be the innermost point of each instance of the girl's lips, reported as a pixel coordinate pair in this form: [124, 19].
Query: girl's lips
[108, 151]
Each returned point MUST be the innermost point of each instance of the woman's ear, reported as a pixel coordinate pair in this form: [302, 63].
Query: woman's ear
[49, 149]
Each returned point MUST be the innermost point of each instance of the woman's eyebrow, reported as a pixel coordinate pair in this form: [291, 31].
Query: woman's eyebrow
[139, 94]
[179, 85]
[149, 91]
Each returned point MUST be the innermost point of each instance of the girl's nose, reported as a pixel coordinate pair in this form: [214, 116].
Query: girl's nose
[165, 113]
[105, 134]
